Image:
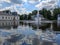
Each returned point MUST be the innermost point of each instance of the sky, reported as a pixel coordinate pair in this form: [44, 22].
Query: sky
[27, 6]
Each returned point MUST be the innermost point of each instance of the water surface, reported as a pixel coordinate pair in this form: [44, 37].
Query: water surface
[21, 33]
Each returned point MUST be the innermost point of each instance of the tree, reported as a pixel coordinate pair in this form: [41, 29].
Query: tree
[34, 12]
[25, 17]
[21, 17]
[56, 11]
[46, 13]
[29, 16]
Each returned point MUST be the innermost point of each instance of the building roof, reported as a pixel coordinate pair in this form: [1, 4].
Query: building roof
[8, 13]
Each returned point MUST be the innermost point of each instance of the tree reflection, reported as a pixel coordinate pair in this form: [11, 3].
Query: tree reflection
[56, 27]
[43, 26]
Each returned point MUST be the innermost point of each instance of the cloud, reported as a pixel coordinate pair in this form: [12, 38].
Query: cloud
[17, 8]
[9, 5]
[20, 10]
[4, 5]
[24, 0]
[14, 1]
[5, 1]
[13, 6]
[17, 1]
[33, 1]
[6, 8]
[17, 5]
[47, 4]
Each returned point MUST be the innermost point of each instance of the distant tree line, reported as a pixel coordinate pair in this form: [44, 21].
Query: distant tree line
[46, 14]
[25, 17]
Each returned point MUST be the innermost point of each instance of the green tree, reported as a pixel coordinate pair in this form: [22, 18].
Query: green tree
[56, 11]
[34, 12]
[21, 17]
[25, 17]
[29, 16]
[46, 13]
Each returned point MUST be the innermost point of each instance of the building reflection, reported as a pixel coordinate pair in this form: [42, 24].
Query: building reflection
[9, 24]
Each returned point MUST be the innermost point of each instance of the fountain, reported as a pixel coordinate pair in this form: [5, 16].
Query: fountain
[51, 27]
[38, 21]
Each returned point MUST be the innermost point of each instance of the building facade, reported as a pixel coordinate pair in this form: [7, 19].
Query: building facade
[58, 18]
[41, 18]
[8, 16]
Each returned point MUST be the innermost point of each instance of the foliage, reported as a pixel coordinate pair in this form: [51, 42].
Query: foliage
[25, 17]
[56, 12]
[46, 13]
[34, 12]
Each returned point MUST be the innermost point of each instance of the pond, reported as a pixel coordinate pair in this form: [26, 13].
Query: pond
[22, 33]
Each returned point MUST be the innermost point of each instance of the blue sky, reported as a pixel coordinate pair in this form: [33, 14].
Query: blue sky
[26, 6]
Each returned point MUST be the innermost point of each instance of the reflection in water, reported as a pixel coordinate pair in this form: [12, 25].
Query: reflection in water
[9, 24]
[47, 43]
[19, 33]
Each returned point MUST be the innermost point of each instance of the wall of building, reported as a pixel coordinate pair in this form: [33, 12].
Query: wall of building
[17, 18]
[9, 17]
[58, 18]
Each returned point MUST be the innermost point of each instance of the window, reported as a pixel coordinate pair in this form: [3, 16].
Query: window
[2, 17]
[17, 17]
[11, 18]
[6, 17]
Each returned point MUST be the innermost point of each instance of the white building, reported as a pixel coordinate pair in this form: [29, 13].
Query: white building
[8, 16]
[58, 18]
[41, 18]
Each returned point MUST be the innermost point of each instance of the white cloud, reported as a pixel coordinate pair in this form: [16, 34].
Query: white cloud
[24, 0]
[13, 4]
[6, 8]
[20, 10]
[14, 1]
[33, 1]
[47, 4]
[6, 5]
[5, 1]
[17, 1]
